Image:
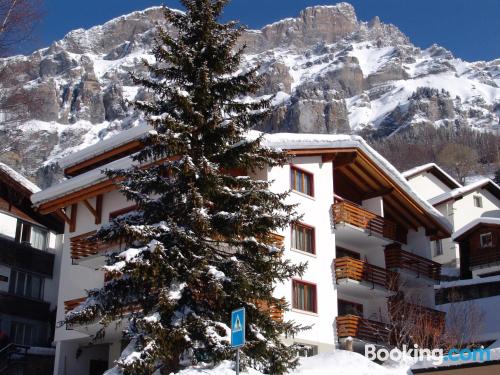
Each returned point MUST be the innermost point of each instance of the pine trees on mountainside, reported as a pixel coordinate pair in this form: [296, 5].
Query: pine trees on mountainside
[200, 243]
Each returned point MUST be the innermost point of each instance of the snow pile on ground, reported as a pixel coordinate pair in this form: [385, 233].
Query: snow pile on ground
[340, 362]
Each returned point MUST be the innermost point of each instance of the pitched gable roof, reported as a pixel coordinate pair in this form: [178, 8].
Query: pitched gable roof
[434, 169]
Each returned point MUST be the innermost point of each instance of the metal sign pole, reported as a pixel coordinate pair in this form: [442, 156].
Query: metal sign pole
[238, 361]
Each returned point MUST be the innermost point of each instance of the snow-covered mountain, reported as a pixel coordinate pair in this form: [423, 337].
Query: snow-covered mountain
[331, 72]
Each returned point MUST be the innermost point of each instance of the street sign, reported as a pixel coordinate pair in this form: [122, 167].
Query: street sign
[238, 328]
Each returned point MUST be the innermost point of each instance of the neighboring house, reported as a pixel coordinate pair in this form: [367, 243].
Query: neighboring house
[459, 204]
[30, 256]
[479, 244]
[364, 233]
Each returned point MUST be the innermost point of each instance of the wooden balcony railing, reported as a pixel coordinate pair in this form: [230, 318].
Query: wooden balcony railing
[81, 246]
[485, 256]
[274, 312]
[353, 214]
[396, 258]
[363, 329]
[73, 303]
[350, 268]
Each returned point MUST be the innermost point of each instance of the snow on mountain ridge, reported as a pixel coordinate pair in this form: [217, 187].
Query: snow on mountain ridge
[331, 72]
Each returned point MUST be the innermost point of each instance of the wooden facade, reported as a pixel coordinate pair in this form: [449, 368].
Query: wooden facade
[354, 269]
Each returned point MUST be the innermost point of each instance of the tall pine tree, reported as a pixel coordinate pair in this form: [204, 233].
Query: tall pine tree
[200, 242]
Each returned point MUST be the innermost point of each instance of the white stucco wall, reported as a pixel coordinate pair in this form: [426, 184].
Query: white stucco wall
[428, 186]
[317, 213]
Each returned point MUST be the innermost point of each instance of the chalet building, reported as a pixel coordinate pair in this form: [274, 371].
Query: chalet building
[459, 204]
[479, 286]
[365, 234]
[30, 256]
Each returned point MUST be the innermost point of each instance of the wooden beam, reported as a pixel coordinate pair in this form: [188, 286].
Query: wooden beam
[119, 151]
[63, 215]
[97, 211]
[379, 193]
[401, 216]
[90, 192]
[98, 207]
[404, 213]
[368, 182]
[345, 158]
[72, 224]
[319, 151]
[348, 173]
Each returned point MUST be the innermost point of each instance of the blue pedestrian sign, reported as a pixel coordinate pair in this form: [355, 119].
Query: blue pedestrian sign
[238, 328]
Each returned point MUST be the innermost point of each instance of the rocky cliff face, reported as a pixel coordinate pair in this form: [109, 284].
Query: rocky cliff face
[331, 73]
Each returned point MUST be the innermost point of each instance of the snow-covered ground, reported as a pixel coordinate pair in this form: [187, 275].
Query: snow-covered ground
[340, 362]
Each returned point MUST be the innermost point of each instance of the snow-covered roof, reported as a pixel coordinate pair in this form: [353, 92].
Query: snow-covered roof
[474, 223]
[465, 282]
[18, 178]
[467, 189]
[79, 182]
[99, 148]
[436, 170]
[294, 141]
[288, 141]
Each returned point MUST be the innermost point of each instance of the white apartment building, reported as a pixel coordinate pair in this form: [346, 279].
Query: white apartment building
[365, 235]
[30, 260]
[459, 204]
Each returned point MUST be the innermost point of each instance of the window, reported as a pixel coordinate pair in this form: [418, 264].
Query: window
[438, 248]
[306, 350]
[302, 181]
[22, 333]
[478, 201]
[303, 238]
[304, 296]
[8, 225]
[486, 240]
[38, 238]
[349, 308]
[26, 285]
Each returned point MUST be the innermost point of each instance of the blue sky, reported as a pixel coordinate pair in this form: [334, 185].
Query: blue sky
[469, 28]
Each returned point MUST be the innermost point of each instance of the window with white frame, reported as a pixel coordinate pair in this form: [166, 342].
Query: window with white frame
[478, 201]
[26, 285]
[486, 239]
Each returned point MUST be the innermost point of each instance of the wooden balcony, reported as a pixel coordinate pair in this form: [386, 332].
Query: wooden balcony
[362, 329]
[396, 258]
[353, 214]
[485, 257]
[274, 312]
[73, 303]
[354, 269]
[81, 246]
[23, 256]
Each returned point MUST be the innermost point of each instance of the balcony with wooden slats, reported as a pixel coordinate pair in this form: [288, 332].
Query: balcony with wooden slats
[362, 329]
[398, 259]
[274, 312]
[350, 213]
[369, 275]
[72, 304]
